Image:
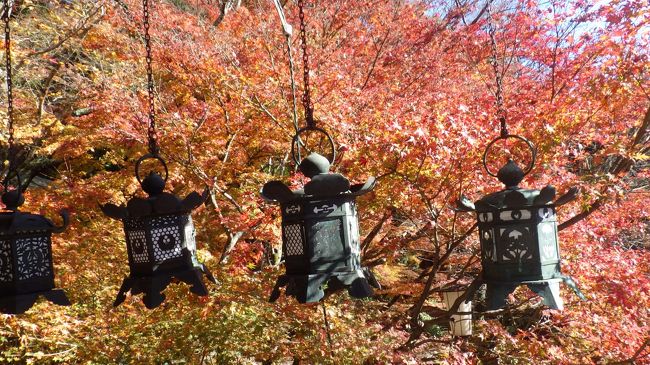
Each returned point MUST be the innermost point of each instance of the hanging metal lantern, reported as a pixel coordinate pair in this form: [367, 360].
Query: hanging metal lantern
[160, 240]
[160, 237]
[26, 269]
[519, 236]
[320, 232]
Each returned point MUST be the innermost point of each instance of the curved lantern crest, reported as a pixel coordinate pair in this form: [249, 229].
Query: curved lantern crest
[519, 237]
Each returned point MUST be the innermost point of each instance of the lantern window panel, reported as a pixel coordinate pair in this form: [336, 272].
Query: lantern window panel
[137, 240]
[514, 244]
[484, 217]
[294, 240]
[190, 235]
[33, 257]
[166, 239]
[6, 264]
[353, 232]
[546, 214]
[547, 235]
[328, 240]
[488, 246]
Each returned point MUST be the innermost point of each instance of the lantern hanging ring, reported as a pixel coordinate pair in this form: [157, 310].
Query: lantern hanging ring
[531, 147]
[296, 141]
[150, 157]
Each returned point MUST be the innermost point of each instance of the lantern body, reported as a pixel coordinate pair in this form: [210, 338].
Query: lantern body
[320, 236]
[161, 245]
[26, 268]
[519, 243]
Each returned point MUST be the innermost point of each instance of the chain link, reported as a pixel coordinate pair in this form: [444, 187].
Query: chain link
[6, 15]
[501, 112]
[306, 96]
[151, 132]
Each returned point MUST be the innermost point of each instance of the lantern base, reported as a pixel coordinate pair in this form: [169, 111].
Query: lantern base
[309, 288]
[19, 304]
[153, 285]
[548, 289]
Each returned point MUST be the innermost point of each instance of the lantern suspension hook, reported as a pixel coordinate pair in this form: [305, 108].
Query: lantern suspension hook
[12, 168]
[501, 110]
[306, 99]
[306, 96]
[151, 131]
[498, 74]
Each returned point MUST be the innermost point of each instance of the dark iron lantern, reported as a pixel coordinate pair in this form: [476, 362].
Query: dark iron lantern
[160, 239]
[26, 268]
[320, 232]
[519, 236]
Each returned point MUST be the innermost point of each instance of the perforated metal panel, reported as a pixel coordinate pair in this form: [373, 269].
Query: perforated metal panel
[166, 238]
[138, 242]
[6, 265]
[488, 246]
[33, 257]
[516, 244]
[293, 240]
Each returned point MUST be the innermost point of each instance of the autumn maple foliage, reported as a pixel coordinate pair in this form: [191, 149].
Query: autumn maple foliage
[407, 88]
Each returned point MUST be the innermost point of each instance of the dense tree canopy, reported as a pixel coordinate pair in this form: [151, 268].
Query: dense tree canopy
[407, 87]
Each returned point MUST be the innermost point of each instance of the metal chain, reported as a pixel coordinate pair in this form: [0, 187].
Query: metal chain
[10, 97]
[501, 112]
[151, 132]
[306, 96]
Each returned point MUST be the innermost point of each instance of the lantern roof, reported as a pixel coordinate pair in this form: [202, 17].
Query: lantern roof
[514, 196]
[19, 222]
[157, 203]
[323, 184]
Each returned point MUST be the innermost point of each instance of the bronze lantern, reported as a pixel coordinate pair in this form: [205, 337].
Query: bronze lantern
[519, 236]
[160, 240]
[320, 232]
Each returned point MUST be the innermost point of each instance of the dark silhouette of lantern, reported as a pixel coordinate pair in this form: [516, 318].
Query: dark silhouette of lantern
[26, 269]
[160, 240]
[519, 237]
[320, 234]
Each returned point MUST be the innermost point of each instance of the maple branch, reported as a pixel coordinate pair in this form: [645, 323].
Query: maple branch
[644, 129]
[637, 355]
[226, 7]
[375, 59]
[78, 31]
[375, 230]
[46, 90]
